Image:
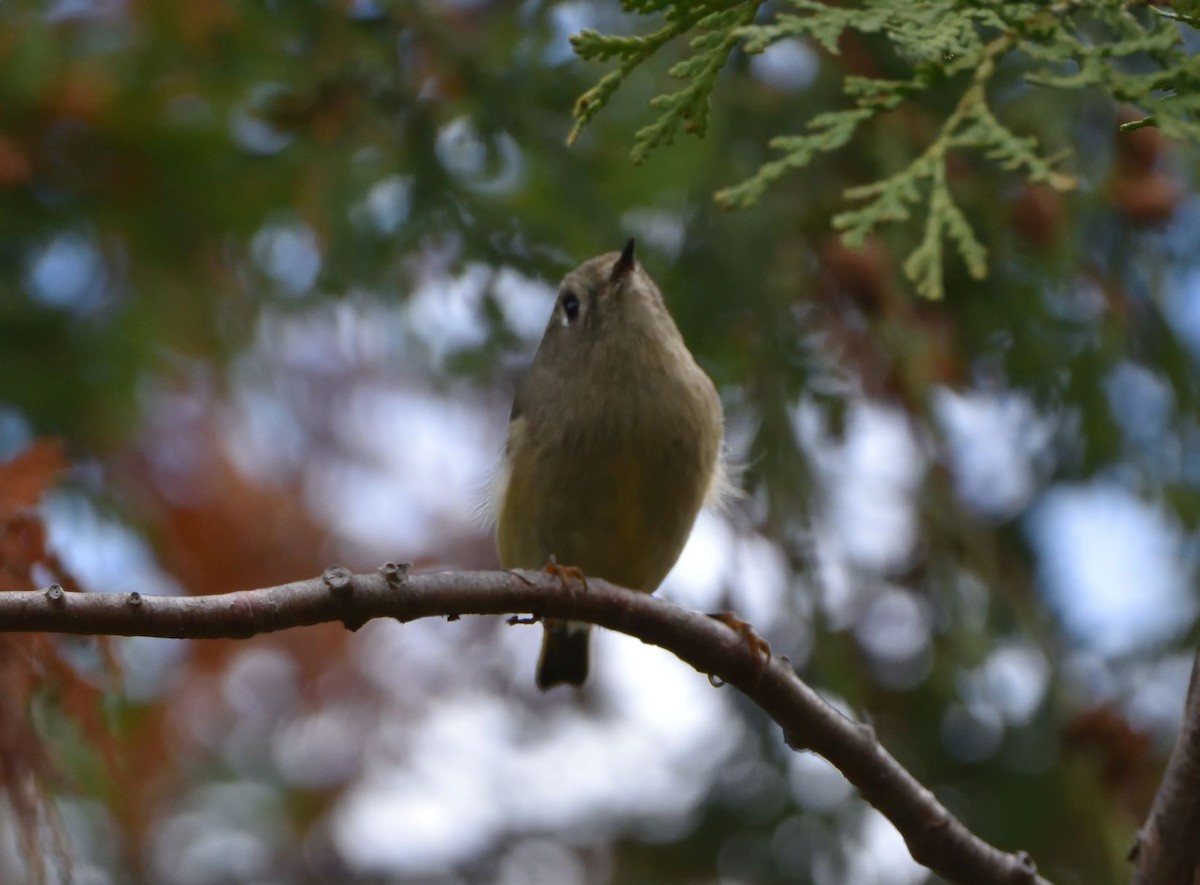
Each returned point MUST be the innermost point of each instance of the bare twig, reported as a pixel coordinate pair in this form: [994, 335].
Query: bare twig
[1167, 850]
[934, 836]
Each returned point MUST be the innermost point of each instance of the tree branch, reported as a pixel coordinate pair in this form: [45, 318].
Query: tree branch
[1167, 849]
[934, 836]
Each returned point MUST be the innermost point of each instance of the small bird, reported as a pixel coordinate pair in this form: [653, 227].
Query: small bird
[615, 442]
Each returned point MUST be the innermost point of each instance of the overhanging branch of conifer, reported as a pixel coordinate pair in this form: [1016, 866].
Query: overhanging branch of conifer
[1133, 51]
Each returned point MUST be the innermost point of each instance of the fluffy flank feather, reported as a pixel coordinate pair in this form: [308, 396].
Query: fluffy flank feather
[490, 499]
[725, 487]
[486, 510]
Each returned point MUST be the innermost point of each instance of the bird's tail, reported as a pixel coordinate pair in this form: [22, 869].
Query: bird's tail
[564, 657]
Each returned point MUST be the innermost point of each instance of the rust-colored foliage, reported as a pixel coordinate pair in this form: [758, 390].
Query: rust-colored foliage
[1038, 216]
[1140, 186]
[216, 530]
[26, 477]
[241, 535]
[1129, 769]
[33, 664]
[15, 167]
[897, 349]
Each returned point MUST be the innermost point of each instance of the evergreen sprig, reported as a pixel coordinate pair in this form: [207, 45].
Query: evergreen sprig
[1133, 52]
[717, 35]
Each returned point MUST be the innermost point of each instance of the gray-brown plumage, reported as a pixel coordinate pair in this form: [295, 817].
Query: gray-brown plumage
[614, 444]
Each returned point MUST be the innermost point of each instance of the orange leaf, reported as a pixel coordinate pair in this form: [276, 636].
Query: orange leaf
[25, 478]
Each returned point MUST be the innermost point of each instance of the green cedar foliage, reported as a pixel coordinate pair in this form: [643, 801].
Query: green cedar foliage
[1132, 50]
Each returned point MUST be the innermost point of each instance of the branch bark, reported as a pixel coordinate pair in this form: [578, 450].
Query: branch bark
[934, 836]
[1167, 850]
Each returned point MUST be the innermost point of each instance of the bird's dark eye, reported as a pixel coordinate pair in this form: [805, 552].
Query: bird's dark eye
[570, 306]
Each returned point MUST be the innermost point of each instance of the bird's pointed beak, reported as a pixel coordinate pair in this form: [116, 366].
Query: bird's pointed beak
[624, 263]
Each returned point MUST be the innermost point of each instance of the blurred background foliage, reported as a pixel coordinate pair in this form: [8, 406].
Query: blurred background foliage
[268, 274]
